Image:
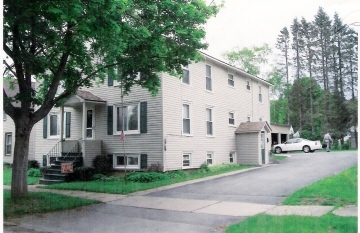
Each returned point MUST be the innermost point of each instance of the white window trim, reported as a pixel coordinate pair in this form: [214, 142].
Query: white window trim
[182, 160]
[212, 158]
[212, 121]
[233, 153]
[188, 70]
[247, 80]
[126, 132]
[260, 94]
[7, 144]
[248, 118]
[182, 119]
[233, 86]
[59, 125]
[135, 167]
[206, 77]
[4, 116]
[232, 125]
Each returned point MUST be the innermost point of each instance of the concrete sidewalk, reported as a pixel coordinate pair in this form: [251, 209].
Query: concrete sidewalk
[236, 209]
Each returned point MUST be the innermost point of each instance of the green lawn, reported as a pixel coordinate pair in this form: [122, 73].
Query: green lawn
[41, 202]
[337, 190]
[118, 186]
[7, 177]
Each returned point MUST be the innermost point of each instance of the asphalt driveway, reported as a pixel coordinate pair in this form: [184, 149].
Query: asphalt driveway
[261, 187]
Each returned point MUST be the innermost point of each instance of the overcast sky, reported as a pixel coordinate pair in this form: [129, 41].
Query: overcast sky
[245, 23]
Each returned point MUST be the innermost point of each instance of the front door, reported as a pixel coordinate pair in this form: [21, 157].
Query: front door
[90, 120]
[263, 147]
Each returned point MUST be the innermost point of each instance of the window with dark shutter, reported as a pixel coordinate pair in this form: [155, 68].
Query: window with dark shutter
[67, 124]
[143, 161]
[110, 120]
[45, 127]
[110, 81]
[143, 117]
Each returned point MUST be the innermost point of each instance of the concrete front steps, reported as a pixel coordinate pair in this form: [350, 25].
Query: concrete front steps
[54, 175]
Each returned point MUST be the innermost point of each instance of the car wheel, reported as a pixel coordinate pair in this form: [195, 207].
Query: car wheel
[278, 150]
[306, 149]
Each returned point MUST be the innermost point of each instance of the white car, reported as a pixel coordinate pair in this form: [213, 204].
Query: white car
[298, 144]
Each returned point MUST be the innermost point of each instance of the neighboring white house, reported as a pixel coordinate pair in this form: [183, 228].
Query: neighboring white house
[192, 120]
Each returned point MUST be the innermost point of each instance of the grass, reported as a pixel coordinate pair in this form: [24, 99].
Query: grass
[40, 202]
[7, 173]
[280, 157]
[328, 223]
[337, 190]
[118, 186]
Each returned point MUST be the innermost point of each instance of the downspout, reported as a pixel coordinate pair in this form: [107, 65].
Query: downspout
[163, 143]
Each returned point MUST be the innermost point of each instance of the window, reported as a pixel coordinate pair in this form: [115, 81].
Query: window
[231, 157]
[231, 80]
[127, 119]
[248, 119]
[8, 144]
[186, 75]
[4, 116]
[248, 85]
[209, 158]
[54, 124]
[208, 78]
[231, 118]
[118, 74]
[186, 159]
[131, 161]
[260, 96]
[209, 122]
[186, 119]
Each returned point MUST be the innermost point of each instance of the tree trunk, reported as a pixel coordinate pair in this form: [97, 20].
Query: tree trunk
[19, 187]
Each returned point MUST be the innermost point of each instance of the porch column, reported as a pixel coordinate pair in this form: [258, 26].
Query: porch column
[61, 128]
[83, 132]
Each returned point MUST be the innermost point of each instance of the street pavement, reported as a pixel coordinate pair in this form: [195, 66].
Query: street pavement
[205, 205]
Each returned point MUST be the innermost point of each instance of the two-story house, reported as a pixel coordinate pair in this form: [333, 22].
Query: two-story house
[215, 114]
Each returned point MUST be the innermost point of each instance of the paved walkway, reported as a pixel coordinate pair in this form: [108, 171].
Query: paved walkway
[237, 209]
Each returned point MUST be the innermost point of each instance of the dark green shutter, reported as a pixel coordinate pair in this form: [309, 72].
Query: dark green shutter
[143, 117]
[44, 160]
[110, 120]
[143, 161]
[110, 81]
[45, 127]
[67, 124]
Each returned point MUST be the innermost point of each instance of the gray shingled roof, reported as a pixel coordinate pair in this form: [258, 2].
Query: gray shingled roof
[86, 95]
[247, 127]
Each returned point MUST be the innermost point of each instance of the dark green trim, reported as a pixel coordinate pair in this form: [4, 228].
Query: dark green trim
[143, 161]
[67, 124]
[45, 127]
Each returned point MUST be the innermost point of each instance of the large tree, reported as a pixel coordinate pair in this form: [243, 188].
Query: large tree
[71, 43]
[249, 59]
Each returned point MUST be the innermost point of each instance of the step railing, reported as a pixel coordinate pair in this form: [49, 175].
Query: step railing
[75, 149]
[53, 154]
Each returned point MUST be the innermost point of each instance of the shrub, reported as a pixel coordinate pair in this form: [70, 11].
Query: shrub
[33, 164]
[176, 174]
[335, 145]
[146, 177]
[102, 164]
[34, 172]
[7, 165]
[82, 174]
[204, 167]
[346, 146]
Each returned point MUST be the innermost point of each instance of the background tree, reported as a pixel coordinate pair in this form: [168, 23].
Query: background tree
[249, 59]
[74, 43]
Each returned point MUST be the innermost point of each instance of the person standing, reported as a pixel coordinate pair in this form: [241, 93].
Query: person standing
[327, 140]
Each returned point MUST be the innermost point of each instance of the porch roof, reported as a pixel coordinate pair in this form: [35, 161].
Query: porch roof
[251, 127]
[83, 96]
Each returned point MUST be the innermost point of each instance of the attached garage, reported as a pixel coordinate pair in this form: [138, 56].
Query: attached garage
[253, 143]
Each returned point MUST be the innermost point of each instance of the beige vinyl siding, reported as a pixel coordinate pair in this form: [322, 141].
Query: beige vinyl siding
[43, 146]
[222, 100]
[149, 143]
[248, 148]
